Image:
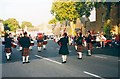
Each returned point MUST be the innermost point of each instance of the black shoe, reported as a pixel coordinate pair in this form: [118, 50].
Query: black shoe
[23, 62]
[8, 59]
[28, 62]
[44, 48]
[64, 62]
[79, 58]
[88, 55]
[39, 51]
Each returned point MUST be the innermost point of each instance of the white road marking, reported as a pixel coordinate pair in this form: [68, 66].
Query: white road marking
[99, 56]
[93, 75]
[48, 59]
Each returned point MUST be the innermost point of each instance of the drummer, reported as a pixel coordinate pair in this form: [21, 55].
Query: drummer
[31, 42]
[8, 45]
[39, 41]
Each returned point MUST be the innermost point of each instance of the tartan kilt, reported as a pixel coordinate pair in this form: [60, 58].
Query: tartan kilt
[40, 44]
[89, 46]
[45, 42]
[79, 48]
[8, 50]
[25, 52]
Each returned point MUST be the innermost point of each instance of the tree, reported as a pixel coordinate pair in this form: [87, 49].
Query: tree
[107, 29]
[84, 8]
[26, 24]
[71, 10]
[11, 23]
[53, 21]
[64, 11]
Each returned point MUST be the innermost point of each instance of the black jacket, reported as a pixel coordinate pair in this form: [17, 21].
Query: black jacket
[8, 43]
[25, 42]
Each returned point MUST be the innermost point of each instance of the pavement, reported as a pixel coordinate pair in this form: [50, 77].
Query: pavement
[103, 64]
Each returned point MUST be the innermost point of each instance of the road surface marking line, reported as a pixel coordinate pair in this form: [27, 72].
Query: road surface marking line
[93, 75]
[48, 59]
[99, 57]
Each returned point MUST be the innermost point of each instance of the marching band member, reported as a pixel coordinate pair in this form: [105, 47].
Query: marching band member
[75, 39]
[31, 42]
[44, 41]
[25, 43]
[39, 41]
[8, 45]
[89, 43]
[19, 37]
[79, 42]
[63, 42]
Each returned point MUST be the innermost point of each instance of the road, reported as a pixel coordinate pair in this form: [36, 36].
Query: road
[103, 64]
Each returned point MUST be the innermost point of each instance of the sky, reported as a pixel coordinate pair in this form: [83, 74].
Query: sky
[34, 11]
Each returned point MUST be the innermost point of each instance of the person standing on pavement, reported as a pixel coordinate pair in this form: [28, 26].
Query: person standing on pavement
[8, 45]
[63, 42]
[89, 43]
[79, 42]
[25, 43]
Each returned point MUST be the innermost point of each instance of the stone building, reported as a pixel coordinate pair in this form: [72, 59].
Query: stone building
[98, 25]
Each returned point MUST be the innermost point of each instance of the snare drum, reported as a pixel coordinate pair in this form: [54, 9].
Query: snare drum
[45, 42]
[14, 45]
[32, 43]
